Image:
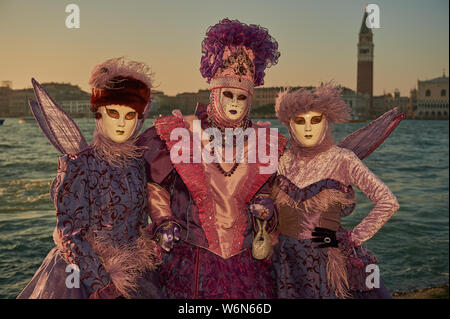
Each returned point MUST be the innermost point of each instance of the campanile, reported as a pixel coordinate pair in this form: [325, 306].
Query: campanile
[365, 62]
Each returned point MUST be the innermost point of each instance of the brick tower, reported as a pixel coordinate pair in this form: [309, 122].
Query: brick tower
[365, 63]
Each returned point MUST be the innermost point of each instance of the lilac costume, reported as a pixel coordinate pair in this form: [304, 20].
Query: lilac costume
[100, 196]
[100, 213]
[314, 189]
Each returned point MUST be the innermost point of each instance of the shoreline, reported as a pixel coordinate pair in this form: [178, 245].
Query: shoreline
[437, 292]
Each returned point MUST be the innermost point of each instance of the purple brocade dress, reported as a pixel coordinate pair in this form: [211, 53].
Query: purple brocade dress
[101, 213]
[317, 192]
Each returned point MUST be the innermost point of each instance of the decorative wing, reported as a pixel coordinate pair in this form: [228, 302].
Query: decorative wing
[367, 139]
[56, 124]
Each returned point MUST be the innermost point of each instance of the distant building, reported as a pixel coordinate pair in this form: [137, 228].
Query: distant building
[5, 97]
[7, 84]
[411, 111]
[14, 103]
[432, 98]
[387, 101]
[402, 102]
[358, 102]
[364, 81]
[185, 102]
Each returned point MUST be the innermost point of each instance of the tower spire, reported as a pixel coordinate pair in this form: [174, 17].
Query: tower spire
[364, 81]
[364, 29]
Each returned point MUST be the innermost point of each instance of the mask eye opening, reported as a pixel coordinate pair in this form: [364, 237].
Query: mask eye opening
[228, 94]
[112, 113]
[316, 119]
[299, 120]
[130, 115]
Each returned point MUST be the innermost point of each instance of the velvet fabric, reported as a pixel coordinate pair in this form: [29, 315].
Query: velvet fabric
[191, 272]
[121, 82]
[126, 91]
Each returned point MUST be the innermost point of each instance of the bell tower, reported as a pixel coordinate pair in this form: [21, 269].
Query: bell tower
[365, 63]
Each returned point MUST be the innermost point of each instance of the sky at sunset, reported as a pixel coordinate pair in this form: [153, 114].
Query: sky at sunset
[317, 40]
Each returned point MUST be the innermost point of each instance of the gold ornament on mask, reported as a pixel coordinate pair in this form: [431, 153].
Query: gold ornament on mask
[241, 62]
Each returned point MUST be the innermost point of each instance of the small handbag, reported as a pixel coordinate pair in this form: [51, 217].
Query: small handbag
[262, 244]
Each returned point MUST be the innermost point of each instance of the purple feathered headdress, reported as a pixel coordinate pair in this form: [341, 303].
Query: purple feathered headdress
[237, 53]
[325, 99]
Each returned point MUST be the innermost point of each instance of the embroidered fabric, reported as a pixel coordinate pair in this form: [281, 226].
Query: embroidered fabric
[230, 82]
[91, 195]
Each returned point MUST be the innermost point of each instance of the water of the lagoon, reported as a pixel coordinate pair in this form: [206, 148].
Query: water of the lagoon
[412, 248]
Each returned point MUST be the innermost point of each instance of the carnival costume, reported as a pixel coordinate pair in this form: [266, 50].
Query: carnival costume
[211, 207]
[315, 256]
[100, 193]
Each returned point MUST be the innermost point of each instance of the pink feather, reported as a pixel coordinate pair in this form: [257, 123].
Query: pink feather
[325, 99]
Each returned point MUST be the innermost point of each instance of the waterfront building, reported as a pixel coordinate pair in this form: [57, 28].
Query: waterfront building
[14, 103]
[358, 102]
[263, 101]
[5, 96]
[432, 98]
[411, 110]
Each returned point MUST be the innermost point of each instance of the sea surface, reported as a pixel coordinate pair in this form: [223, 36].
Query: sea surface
[412, 248]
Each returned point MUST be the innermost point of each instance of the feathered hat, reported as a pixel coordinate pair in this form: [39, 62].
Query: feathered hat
[325, 99]
[121, 82]
[236, 55]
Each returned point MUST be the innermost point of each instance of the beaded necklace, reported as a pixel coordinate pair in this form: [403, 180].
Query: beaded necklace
[211, 124]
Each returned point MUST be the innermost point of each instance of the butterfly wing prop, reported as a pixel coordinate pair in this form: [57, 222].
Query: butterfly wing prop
[368, 138]
[55, 123]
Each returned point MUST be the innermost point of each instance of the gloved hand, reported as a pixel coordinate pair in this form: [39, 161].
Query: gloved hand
[107, 292]
[166, 234]
[326, 237]
[262, 208]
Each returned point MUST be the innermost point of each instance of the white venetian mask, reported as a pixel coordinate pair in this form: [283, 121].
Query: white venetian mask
[234, 103]
[118, 122]
[309, 128]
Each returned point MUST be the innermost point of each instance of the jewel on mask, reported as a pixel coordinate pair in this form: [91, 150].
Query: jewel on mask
[242, 61]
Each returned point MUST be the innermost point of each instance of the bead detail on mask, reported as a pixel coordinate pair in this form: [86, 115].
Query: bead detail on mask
[240, 62]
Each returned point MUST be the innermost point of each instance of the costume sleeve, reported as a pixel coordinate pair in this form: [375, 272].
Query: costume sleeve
[72, 214]
[264, 195]
[160, 176]
[159, 204]
[385, 202]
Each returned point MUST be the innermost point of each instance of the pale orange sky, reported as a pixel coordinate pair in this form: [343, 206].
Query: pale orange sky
[317, 40]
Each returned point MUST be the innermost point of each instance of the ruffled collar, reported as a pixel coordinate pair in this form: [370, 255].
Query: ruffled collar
[116, 154]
